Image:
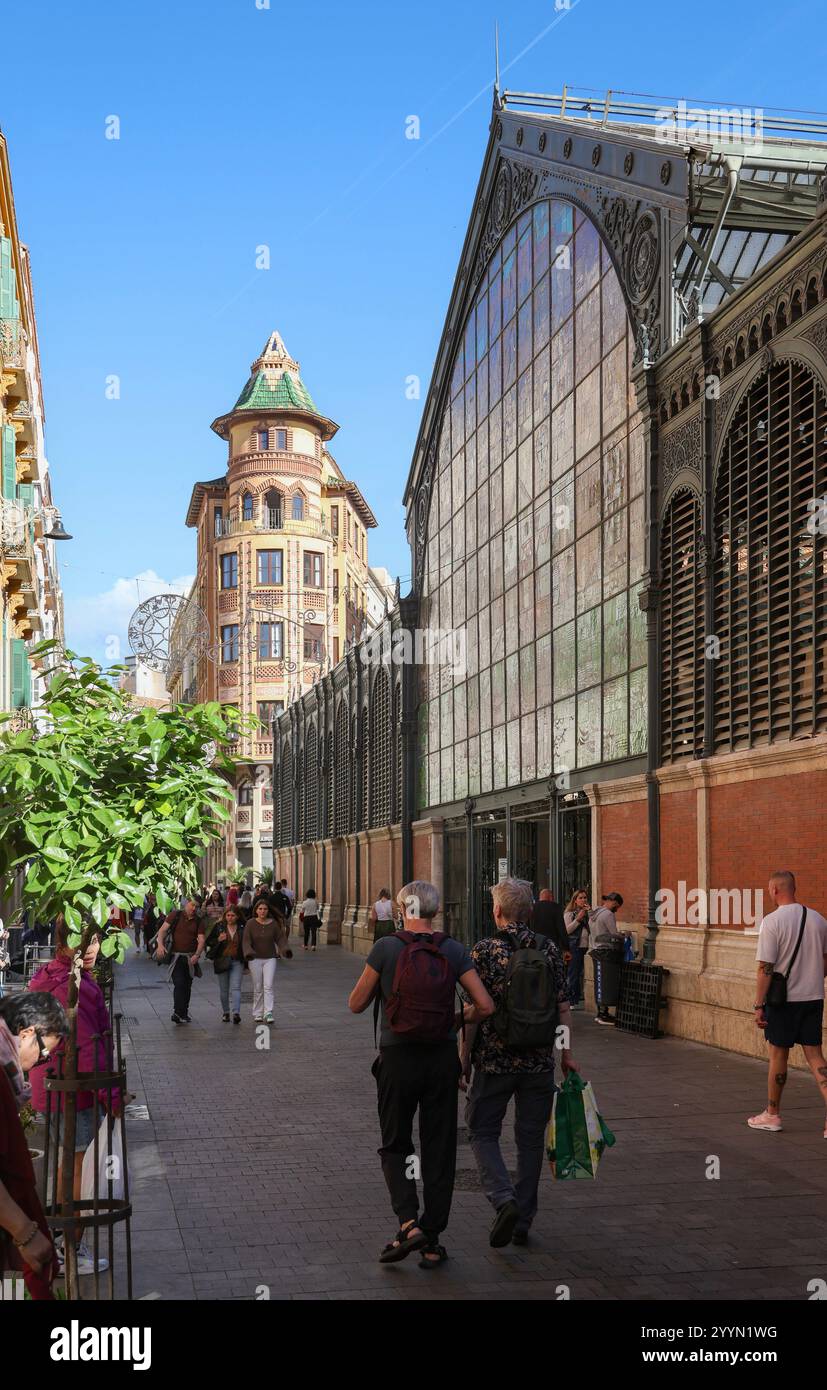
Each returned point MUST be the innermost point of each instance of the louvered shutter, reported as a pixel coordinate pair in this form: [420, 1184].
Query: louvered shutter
[682, 631]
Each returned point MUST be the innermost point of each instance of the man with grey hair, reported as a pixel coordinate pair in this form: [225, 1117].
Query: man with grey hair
[412, 975]
[512, 1054]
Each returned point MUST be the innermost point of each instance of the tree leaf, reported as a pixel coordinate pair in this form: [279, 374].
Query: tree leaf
[56, 853]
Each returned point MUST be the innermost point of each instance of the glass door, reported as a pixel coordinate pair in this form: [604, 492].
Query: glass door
[574, 827]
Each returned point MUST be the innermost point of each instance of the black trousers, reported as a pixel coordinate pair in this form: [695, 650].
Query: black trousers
[181, 986]
[423, 1076]
[311, 926]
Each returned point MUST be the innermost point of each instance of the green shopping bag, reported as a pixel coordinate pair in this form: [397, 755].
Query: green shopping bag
[577, 1132]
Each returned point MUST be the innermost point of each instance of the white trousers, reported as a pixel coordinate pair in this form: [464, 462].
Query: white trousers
[264, 983]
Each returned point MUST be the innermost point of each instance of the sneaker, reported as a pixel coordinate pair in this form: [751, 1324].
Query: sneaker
[268, 1018]
[520, 1238]
[86, 1261]
[178, 1021]
[225, 1018]
[186, 1019]
[257, 1020]
[236, 1018]
[607, 1020]
[771, 1123]
[502, 1228]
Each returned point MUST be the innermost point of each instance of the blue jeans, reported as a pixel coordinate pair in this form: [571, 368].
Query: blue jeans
[233, 977]
[484, 1114]
[576, 965]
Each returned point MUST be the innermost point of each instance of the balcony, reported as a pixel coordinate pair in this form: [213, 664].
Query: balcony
[15, 721]
[270, 520]
[13, 344]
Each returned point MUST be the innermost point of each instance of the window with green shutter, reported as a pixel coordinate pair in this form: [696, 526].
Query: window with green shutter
[9, 466]
[21, 675]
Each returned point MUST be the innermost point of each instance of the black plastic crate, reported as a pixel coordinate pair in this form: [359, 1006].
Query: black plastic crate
[640, 1000]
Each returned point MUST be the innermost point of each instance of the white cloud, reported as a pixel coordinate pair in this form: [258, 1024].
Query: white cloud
[97, 624]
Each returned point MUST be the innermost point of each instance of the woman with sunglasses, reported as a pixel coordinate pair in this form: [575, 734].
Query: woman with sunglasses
[94, 1043]
[32, 1026]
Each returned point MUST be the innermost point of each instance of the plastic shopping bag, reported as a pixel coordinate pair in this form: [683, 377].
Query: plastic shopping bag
[110, 1165]
[577, 1132]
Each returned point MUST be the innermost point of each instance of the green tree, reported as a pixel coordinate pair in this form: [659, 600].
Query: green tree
[113, 801]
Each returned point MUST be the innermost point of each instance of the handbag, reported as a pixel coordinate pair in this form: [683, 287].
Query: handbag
[577, 1136]
[776, 995]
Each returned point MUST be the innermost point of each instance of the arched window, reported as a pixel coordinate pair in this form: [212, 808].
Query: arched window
[381, 751]
[275, 508]
[285, 822]
[396, 810]
[770, 576]
[329, 776]
[247, 507]
[366, 756]
[341, 825]
[298, 507]
[311, 828]
[682, 631]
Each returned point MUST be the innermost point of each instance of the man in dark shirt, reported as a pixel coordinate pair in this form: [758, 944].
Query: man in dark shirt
[501, 1072]
[547, 919]
[187, 947]
[413, 1075]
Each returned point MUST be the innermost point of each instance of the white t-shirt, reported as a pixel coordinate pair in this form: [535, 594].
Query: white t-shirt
[776, 943]
[383, 907]
[310, 907]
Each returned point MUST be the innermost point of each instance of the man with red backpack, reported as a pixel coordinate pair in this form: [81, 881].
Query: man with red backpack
[412, 976]
[513, 1055]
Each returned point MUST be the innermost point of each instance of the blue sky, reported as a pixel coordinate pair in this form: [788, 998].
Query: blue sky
[285, 126]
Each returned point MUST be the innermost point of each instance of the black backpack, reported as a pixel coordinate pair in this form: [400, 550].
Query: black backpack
[527, 1014]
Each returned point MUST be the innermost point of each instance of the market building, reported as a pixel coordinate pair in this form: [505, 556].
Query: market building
[617, 507]
[281, 587]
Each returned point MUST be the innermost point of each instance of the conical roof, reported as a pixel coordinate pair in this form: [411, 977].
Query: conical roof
[275, 384]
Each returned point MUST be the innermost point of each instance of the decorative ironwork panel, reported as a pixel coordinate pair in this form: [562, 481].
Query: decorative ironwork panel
[682, 630]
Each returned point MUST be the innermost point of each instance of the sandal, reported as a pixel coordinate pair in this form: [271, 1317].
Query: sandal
[402, 1244]
[432, 1248]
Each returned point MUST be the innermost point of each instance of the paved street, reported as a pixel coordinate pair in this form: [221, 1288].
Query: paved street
[260, 1168]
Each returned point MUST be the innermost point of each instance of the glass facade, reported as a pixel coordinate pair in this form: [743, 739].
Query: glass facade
[536, 531]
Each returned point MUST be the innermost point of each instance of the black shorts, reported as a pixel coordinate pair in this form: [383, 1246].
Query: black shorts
[788, 1024]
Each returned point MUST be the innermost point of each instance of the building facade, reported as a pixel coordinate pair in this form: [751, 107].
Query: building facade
[30, 593]
[281, 579]
[617, 501]
[31, 600]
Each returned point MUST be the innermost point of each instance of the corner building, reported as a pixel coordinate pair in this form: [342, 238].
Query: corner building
[612, 497]
[282, 579]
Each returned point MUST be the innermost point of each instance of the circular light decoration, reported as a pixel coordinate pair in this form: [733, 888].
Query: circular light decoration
[167, 626]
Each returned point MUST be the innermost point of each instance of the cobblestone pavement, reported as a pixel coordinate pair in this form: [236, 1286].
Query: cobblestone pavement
[260, 1167]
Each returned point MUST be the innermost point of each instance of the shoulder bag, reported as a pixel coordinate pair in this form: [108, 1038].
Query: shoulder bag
[776, 995]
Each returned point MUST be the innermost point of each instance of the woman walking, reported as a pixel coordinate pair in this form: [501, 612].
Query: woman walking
[264, 940]
[214, 908]
[223, 948]
[381, 915]
[309, 916]
[576, 918]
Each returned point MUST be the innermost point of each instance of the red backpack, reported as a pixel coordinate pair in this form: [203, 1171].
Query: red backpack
[421, 1005]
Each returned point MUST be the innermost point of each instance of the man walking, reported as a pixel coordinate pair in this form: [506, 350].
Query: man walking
[186, 948]
[792, 944]
[513, 1055]
[413, 974]
[547, 918]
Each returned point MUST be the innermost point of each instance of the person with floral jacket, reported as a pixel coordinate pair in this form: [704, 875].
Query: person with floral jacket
[94, 1047]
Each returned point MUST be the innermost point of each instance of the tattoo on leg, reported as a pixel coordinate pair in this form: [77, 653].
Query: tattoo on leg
[780, 1078]
[821, 1076]
[772, 1105]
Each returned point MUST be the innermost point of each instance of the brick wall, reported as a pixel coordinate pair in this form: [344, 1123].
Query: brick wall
[771, 823]
[678, 840]
[624, 857]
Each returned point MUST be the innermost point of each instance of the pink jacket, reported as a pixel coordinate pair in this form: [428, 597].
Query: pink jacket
[93, 1018]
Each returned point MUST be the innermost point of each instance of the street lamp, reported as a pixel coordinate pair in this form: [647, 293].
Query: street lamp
[57, 531]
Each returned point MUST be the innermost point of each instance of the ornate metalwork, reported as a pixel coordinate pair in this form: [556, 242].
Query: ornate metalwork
[680, 452]
[151, 630]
